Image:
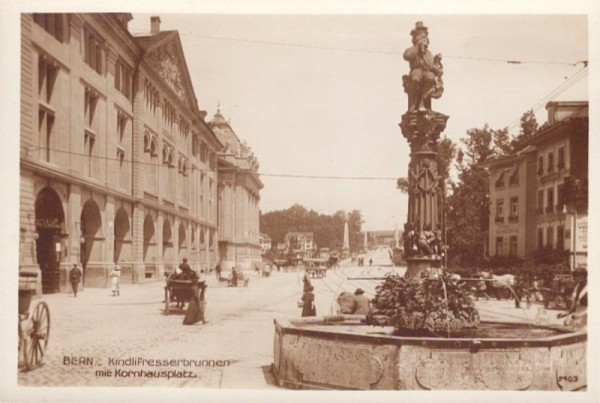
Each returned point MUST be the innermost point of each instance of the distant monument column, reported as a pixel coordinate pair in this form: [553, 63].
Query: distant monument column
[421, 127]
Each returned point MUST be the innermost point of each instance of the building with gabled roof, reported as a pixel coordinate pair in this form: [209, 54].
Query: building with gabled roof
[538, 196]
[117, 162]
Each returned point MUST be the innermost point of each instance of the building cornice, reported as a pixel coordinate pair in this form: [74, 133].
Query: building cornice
[48, 172]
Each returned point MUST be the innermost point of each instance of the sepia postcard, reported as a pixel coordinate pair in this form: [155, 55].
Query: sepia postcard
[280, 200]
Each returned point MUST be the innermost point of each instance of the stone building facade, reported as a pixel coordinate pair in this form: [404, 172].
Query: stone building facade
[117, 163]
[538, 196]
[238, 195]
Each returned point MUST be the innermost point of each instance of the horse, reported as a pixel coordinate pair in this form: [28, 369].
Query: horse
[503, 283]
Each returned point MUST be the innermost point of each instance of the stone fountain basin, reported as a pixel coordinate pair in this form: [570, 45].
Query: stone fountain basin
[343, 353]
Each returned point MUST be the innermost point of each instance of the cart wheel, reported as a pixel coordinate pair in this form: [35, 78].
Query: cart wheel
[167, 301]
[36, 341]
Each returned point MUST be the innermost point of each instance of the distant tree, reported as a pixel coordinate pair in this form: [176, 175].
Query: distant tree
[467, 217]
[529, 128]
[446, 151]
[502, 142]
[328, 230]
[468, 204]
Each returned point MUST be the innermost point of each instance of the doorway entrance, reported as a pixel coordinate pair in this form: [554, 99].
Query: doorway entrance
[49, 220]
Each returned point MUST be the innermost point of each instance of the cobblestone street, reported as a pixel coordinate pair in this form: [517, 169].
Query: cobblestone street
[101, 327]
[93, 333]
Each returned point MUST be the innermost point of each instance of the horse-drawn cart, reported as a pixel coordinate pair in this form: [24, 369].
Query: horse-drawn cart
[316, 268]
[34, 323]
[178, 292]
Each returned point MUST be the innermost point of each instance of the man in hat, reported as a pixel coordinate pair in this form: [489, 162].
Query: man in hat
[425, 70]
[361, 303]
[75, 278]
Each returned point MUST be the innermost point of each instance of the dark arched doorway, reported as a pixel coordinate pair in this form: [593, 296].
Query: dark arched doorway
[49, 221]
[91, 224]
[182, 241]
[122, 237]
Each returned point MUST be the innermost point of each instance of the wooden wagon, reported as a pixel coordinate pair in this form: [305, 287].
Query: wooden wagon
[179, 292]
[34, 323]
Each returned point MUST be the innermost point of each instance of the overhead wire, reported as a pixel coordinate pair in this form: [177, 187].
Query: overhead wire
[192, 168]
[386, 52]
[565, 85]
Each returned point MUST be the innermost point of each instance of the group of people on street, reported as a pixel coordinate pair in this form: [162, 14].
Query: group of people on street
[75, 275]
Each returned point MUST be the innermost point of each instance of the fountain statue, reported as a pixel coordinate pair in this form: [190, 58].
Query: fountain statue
[437, 340]
[422, 126]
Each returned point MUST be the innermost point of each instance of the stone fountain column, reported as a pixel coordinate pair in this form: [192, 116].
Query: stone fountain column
[421, 127]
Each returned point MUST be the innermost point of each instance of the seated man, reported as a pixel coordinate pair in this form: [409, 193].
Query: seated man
[362, 306]
[346, 302]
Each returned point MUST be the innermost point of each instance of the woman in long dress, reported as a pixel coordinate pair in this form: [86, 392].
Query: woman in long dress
[115, 279]
[308, 300]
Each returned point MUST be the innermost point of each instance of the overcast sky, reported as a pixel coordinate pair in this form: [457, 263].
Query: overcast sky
[322, 95]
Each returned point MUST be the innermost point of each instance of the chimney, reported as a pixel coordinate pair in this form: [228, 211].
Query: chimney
[154, 25]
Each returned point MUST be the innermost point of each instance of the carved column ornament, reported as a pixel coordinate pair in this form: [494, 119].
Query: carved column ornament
[422, 127]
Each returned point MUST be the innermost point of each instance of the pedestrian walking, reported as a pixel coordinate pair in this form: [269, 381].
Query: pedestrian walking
[218, 271]
[115, 280]
[197, 304]
[308, 302]
[75, 278]
[306, 282]
[234, 277]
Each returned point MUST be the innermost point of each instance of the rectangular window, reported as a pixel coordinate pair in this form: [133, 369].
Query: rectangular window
[122, 120]
[89, 105]
[500, 181]
[92, 48]
[512, 247]
[514, 178]
[540, 201]
[202, 192]
[122, 140]
[560, 237]
[45, 129]
[499, 246]
[203, 152]
[88, 145]
[194, 144]
[560, 198]
[499, 210]
[514, 209]
[561, 158]
[540, 165]
[123, 78]
[550, 161]
[52, 23]
[550, 236]
[550, 200]
[540, 238]
[47, 74]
